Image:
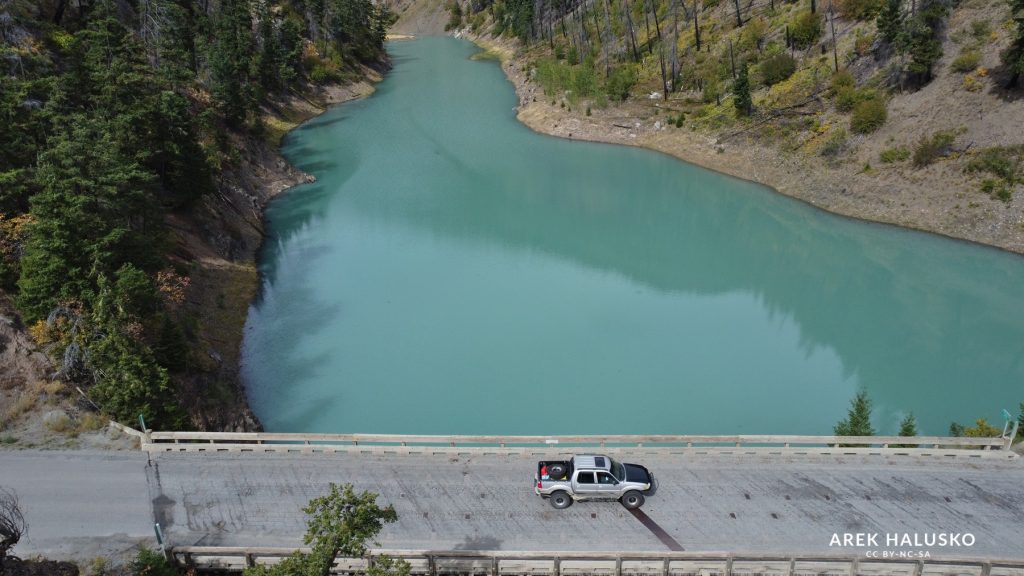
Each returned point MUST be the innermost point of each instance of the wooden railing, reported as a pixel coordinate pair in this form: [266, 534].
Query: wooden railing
[285, 442]
[495, 563]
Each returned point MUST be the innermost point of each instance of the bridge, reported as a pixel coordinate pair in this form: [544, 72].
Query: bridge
[723, 504]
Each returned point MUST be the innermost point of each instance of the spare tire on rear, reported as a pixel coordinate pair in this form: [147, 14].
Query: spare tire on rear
[557, 471]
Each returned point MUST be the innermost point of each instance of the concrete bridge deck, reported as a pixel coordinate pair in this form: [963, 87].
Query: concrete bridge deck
[97, 501]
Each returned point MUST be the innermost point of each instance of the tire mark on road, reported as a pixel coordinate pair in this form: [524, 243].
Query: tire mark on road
[657, 530]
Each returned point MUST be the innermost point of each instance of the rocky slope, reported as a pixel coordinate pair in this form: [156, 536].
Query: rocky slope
[943, 196]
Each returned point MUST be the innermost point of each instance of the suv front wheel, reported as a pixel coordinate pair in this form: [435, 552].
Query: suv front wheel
[632, 500]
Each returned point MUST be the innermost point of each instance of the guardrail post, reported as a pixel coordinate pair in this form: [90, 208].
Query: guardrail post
[853, 566]
[557, 566]
[431, 565]
[918, 567]
[665, 566]
[1013, 434]
[494, 566]
[160, 540]
[792, 567]
[250, 560]
[618, 566]
[728, 566]
[986, 568]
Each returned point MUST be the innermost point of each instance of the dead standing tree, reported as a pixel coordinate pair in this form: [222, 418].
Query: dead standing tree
[12, 523]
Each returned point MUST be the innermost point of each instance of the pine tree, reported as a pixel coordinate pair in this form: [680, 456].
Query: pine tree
[908, 428]
[1013, 57]
[924, 47]
[229, 57]
[94, 213]
[858, 418]
[741, 91]
[128, 381]
[890, 21]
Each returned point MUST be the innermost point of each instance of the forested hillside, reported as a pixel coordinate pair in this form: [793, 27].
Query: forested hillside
[892, 110]
[131, 138]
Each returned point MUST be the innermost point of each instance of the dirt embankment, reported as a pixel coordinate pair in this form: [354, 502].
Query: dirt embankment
[940, 198]
[419, 17]
[219, 242]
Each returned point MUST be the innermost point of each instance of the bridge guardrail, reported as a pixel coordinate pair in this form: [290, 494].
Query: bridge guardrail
[289, 442]
[565, 563]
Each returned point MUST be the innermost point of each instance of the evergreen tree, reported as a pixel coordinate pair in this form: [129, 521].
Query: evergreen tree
[1013, 57]
[93, 214]
[924, 47]
[890, 21]
[908, 428]
[229, 58]
[858, 419]
[127, 380]
[741, 91]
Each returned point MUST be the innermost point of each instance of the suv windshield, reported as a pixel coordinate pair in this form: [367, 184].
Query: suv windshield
[617, 470]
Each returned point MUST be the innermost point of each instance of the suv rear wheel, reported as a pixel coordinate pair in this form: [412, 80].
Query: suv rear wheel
[632, 500]
[561, 500]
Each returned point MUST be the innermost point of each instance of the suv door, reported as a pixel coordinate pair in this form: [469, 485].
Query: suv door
[586, 485]
[607, 485]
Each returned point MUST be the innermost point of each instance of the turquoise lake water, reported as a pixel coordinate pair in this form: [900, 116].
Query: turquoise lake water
[453, 272]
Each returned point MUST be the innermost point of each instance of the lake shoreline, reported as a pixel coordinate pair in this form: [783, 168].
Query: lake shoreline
[813, 183]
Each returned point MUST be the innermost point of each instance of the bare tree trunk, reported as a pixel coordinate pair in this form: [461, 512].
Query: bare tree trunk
[739, 15]
[610, 35]
[732, 60]
[58, 14]
[696, 25]
[832, 24]
[647, 25]
[601, 37]
[675, 44]
[661, 52]
[629, 26]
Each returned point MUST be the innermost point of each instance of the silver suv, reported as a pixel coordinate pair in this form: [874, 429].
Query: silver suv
[591, 477]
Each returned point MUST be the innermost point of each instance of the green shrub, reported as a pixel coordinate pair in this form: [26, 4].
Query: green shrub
[150, 563]
[835, 144]
[843, 79]
[858, 9]
[981, 29]
[931, 148]
[967, 61]
[620, 81]
[997, 188]
[805, 29]
[321, 75]
[892, 155]
[868, 115]
[1005, 162]
[777, 68]
[846, 98]
[711, 92]
[455, 16]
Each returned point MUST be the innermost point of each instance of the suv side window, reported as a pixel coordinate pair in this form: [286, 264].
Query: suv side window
[585, 478]
[605, 478]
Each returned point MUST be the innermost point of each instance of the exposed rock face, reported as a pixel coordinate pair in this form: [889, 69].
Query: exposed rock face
[20, 361]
